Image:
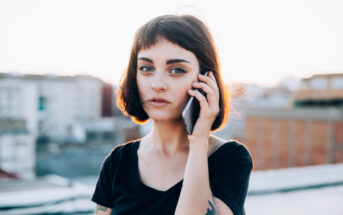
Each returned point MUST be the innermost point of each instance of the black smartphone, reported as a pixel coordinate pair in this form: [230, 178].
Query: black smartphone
[190, 113]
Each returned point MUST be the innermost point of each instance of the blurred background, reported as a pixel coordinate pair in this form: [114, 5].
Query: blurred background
[60, 65]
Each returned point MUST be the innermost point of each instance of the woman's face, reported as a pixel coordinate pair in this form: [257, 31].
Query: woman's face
[166, 71]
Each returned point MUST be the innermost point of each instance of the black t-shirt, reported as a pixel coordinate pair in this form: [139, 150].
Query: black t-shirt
[119, 186]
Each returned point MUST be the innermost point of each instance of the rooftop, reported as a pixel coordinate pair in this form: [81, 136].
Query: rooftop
[37, 77]
[331, 75]
[312, 94]
[302, 190]
[313, 113]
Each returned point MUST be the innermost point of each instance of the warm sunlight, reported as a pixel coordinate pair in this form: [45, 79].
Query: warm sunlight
[260, 42]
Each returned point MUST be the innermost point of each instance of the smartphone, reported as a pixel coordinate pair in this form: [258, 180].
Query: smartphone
[190, 113]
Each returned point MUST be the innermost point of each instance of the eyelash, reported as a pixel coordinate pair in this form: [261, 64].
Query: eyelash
[176, 68]
[142, 68]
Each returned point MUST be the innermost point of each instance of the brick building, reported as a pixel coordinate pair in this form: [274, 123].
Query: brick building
[288, 137]
[310, 133]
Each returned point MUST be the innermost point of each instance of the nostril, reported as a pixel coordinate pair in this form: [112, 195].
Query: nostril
[159, 86]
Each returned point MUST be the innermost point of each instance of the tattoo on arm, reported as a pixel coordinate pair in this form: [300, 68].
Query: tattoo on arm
[213, 210]
[101, 208]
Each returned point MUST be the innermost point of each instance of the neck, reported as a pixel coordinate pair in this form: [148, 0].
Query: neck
[169, 137]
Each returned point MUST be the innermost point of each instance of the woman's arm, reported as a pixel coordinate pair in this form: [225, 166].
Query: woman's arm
[101, 210]
[222, 208]
[196, 196]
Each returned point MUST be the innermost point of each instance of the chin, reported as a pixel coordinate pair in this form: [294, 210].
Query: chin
[163, 117]
[160, 118]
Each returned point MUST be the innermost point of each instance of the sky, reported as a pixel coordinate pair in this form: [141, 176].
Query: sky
[259, 42]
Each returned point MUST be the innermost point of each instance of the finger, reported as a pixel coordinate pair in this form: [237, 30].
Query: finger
[205, 87]
[200, 97]
[211, 82]
[211, 75]
[211, 94]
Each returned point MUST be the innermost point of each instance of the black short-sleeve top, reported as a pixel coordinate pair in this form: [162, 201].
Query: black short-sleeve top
[119, 186]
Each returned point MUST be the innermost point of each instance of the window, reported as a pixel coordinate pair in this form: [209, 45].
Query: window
[41, 103]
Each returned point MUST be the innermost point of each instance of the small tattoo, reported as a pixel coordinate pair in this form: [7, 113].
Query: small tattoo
[101, 208]
[213, 210]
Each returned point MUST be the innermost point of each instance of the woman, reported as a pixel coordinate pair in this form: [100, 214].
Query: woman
[168, 171]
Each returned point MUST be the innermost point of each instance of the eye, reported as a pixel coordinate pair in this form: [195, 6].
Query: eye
[145, 68]
[177, 71]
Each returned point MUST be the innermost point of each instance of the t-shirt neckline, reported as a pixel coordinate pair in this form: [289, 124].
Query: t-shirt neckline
[146, 187]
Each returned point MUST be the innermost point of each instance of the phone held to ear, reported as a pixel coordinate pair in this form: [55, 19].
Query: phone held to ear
[190, 113]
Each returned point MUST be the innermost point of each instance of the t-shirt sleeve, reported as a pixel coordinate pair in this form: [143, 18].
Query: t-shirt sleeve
[232, 179]
[103, 190]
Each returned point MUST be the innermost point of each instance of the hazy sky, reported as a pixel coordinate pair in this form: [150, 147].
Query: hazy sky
[259, 41]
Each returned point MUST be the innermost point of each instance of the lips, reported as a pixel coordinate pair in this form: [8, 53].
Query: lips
[158, 102]
[162, 100]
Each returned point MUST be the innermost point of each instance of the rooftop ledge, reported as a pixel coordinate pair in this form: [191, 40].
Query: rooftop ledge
[55, 194]
[293, 179]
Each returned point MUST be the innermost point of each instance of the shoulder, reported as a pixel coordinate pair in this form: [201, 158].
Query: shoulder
[241, 157]
[229, 145]
[125, 146]
[240, 150]
[233, 150]
[120, 150]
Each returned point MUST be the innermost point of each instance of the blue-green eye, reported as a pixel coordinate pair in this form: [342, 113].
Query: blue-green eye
[177, 71]
[145, 69]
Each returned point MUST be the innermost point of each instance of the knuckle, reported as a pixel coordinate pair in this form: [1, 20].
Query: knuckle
[203, 97]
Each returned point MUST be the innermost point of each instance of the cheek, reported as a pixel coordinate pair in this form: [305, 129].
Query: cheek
[184, 87]
[182, 91]
[141, 87]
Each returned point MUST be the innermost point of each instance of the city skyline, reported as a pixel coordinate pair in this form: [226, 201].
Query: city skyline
[258, 42]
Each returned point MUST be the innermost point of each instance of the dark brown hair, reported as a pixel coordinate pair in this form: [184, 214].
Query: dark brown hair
[189, 33]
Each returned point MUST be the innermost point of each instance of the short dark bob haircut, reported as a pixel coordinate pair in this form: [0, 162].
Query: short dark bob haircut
[187, 32]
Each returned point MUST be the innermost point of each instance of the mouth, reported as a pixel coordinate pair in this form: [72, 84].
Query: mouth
[158, 102]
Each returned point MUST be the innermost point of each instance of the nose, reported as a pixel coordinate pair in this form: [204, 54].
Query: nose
[159, 84]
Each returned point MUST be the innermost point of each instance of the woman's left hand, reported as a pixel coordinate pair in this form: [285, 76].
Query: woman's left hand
[209, 108]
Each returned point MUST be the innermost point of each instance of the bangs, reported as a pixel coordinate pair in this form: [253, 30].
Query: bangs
[169, 27]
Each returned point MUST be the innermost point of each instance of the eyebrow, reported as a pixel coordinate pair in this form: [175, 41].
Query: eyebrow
[168, 61]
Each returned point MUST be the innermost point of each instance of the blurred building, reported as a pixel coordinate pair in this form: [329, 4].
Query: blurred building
[108, 101]
[109, 130]
[82, 155]
[247, 96]
[68, 110]
[17, 149]
[320, 90]
[310, 133]
[19, 99]
[50, 104]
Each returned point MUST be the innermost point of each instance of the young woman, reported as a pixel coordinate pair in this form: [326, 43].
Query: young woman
[167, 171]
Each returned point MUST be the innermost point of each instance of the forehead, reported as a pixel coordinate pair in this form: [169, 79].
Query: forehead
[165, 50]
